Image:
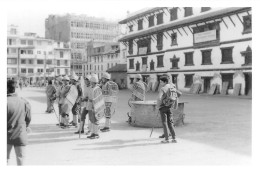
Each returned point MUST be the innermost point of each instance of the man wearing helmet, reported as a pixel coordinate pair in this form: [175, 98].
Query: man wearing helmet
[77, 106]
[109, 91]
[86, 104]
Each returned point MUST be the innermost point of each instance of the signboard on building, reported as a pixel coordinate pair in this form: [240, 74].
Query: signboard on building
[205, 36]
[142, 50]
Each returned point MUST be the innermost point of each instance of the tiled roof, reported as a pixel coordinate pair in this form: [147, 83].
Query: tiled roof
[191, 20]
[118, 68]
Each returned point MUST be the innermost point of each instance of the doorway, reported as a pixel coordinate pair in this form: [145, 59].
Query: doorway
[206, 84]
[248, 84]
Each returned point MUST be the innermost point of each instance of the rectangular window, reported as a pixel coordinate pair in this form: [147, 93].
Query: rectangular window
[206, 57]
[144, 60]
[30, 42]
[58, 62]
[228, 78]
[12, 50]
[66, 62]
[23, 61]
[11, 61]
[140, 24]
[49, 61]
[159, 17]
[227, 57]
[39, 61]
[130, 28]
[247, 22]
[130, 51]
[30, 52]
[188, 11]
[30, 61]
[30, 70]
[203, 9]
[174, 14]
[174, 39]
[11, 70]
[61, 54]
[151, 21]
[160, 61]
[188, 80]
[66, 71]
[131, 80]
[188, 58]
[39, 70]
[159, 41]
[144, 46]
[23, 70]
[23, 42]
[131, 64]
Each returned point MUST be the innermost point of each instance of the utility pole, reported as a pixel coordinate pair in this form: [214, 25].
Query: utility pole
[18, 63]
[44, 67]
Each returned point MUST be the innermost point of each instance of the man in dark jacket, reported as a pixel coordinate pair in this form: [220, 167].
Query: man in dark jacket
[18, 120]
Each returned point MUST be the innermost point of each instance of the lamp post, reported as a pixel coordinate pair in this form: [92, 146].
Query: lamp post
[18, 63]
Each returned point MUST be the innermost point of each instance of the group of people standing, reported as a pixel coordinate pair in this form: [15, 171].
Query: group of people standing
[89, 101]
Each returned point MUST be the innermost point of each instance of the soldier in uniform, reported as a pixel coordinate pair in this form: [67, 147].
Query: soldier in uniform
[64, 91]
[77, 106]
[59, 100]
[95, 92]
[109, 91]
[86, 105]
[50, 93]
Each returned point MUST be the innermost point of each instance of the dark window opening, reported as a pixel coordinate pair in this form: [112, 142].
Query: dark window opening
[206, 57]
[144, 43]
[248, 56]
[144, 60]
[159, 41]
[151, 65]
[203, 9]
[160, 61]
[131, 80]
[247, 22]
[189, 59]
[131, 63]
[137, 66]
[151, 21]
[174, 14]
[140, 24]
[227, 55]
[130, 51]
[174, 62]
[130, 28]
[174, 39]
[188, 11]
[159, 18]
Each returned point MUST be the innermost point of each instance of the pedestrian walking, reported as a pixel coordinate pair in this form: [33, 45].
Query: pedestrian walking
[166, 103]
[50, 94]
[109, 91]
[18, 120]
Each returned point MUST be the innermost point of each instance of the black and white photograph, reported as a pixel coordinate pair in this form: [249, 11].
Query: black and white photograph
[129, 83]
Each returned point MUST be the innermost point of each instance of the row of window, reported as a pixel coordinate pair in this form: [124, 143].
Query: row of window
[26, 42]
[100, 67]
[30, 52]
[93, 25]
[92, 36]
[31, 70]
[39, 61]
[227, 58]
[214, 27]
[188, 11]
[100, 58]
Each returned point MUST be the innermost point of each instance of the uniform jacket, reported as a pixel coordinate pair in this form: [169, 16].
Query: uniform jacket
[64, 92]
[18, 118]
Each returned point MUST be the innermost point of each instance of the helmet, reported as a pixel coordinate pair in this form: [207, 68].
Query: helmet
[106, 75]
[66, 78]
[138, 76]
[94, 78]
[88, 77]
[74, 77]
[60, 78]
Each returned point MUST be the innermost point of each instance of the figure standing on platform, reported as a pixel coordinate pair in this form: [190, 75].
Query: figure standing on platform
[50, 93]
[167, 101]
[97, 105]
[18, 120]
[109, 91]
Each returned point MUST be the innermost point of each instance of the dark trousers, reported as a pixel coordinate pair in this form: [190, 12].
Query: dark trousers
[167, 122]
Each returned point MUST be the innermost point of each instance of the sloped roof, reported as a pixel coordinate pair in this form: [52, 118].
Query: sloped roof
[191, 20]
[118, 68]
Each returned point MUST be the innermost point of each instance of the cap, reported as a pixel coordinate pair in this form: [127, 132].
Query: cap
[106, 75]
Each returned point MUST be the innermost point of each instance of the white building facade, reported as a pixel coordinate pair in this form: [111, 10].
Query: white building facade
[32, 57]
[192, 45]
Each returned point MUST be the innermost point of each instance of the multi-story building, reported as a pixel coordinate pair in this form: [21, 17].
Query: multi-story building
[79, 30]
[32, 57]
[102, 56]
[193, 45]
